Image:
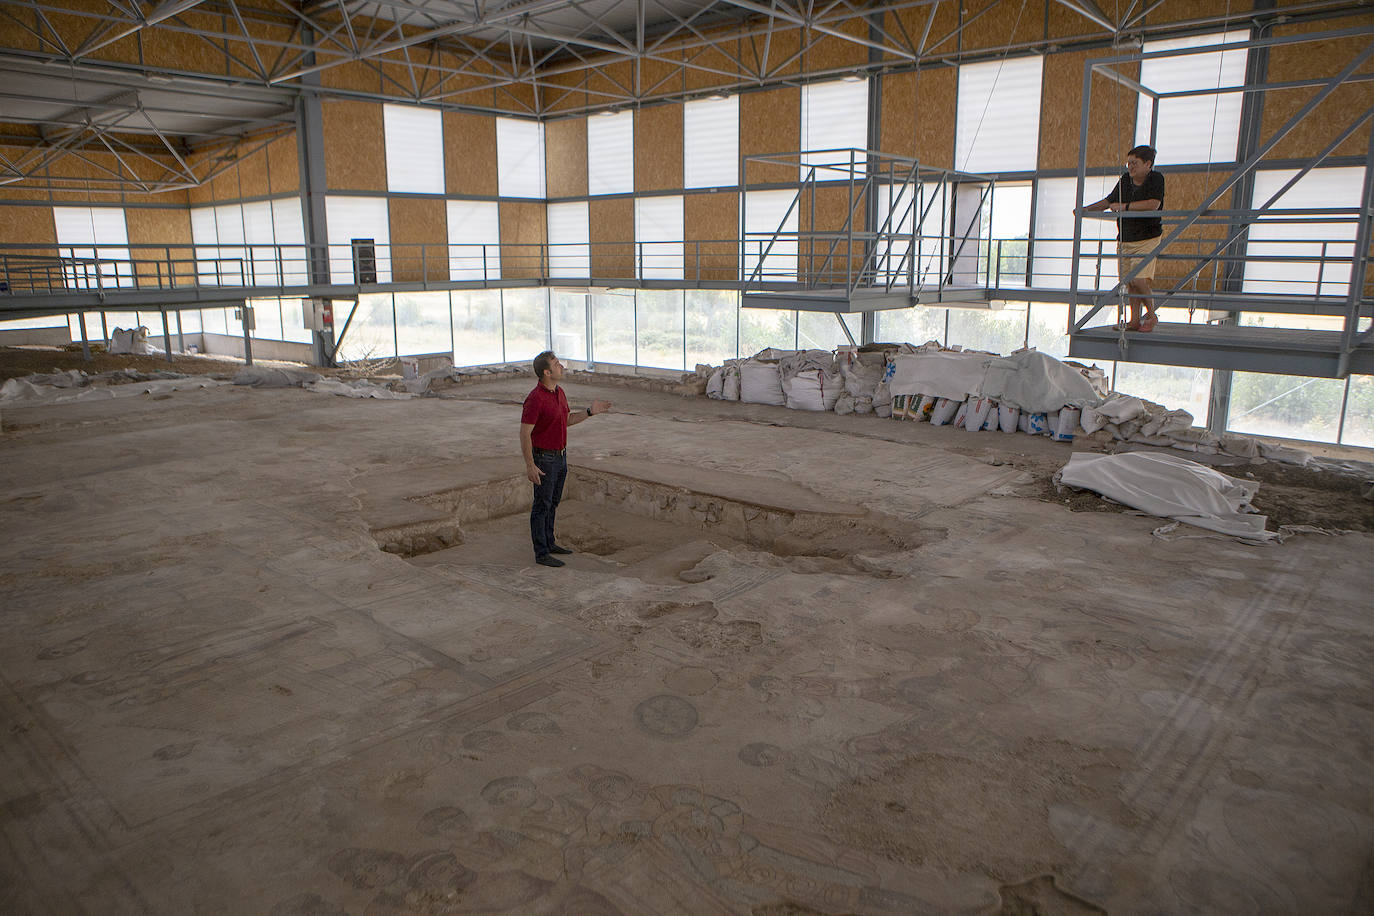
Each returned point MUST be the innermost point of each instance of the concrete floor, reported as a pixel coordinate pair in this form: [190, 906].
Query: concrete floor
[799, 664]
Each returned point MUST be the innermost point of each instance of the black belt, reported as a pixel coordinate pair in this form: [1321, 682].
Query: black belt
[549, 451]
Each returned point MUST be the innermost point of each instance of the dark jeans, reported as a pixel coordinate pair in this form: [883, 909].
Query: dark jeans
[547, 494]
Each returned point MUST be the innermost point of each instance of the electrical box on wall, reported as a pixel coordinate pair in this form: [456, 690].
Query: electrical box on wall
[317, 314]
[245, 315]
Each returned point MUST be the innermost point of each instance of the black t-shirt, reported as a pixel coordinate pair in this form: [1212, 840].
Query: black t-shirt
[1134, 229]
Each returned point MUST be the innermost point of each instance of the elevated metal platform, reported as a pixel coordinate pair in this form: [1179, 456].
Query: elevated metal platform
[1209, 346]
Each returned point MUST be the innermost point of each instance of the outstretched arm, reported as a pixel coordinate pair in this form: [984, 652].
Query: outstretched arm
[582, 413]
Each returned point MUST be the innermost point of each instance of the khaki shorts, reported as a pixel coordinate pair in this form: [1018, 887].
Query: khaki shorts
[1129, 254]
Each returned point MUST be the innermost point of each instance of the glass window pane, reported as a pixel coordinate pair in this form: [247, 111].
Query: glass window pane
[613, 327]
[476, 327]
[760, 329]
[267, 317]
[190, 322]
[1176, 387]
[371, 335]
[1005, 230]
[997, 119]
[213, 320]
[820, 330]
[422, 323]
[293, 321]
[1286, 406]
[153, 322]
[915, 325]
[526, 322]
[712, 327]
[1359, 412]
[995, 330]
[1048, 329]
[660, 328]
[569, 324]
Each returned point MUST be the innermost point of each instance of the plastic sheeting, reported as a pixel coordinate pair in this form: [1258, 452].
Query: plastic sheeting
[1035, 381]
[949, 374]
[1170, 487]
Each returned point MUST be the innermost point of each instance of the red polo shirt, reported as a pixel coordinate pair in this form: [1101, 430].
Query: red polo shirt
[548, 412]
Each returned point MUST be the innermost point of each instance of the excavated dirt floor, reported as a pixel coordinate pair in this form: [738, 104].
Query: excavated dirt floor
[271, 651]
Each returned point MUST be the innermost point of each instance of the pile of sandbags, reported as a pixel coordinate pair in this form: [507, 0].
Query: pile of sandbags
[810, 380]
[760, 379]
[861, 371]
[724, 383]
[131, 340]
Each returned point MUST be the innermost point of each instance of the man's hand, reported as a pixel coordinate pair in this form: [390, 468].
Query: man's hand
[1118, 205]
[533, 473]
[600, 406]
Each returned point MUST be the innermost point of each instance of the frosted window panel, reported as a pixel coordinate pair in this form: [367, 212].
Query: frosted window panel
[97, 247]
[206, 239]
[1201, 128]
[1053, 260]
[267, 315]
[770, 236]
[474, 240]
[834, 117]
[293, 321]
[997, 119]
[569, 240]
[348, 218]
[519, 158]
[289, 231]
[611, 153]
[414, 149]
[231, 260]
[658, 233]
[899, 206]
[710, 143]
[1331, 243]
[260, 235]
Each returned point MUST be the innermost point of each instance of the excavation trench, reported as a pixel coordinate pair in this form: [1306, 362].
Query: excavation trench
[600, 506]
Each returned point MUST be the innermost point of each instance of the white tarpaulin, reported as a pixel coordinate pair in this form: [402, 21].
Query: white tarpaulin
[952, 375]
[1036, 382]
[1170, 487]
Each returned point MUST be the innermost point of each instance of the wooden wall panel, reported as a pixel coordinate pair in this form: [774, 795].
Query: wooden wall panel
[658, 148]
[1325, 122]
[1111, 130]
[359, 76]
[253, 176]
[698, 79]
[354, 146]
[897, 121]
[523, 225]
[419, 239]
[833, 53]
[462, 89]
[936, 104]
[940, 31]
[826, 256]
[612, 224]
[182, 51]
[1187, 10]
[1186, 191]
[284, 165]
[656, 76]
[770, 122]
[565, 151]
[33, 225]
[470, 154]
[1002, 24]
[780, 52]
[174, 264]
[711, 224]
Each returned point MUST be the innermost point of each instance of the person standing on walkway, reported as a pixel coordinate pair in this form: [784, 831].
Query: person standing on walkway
[544, 426]
[1140, 188]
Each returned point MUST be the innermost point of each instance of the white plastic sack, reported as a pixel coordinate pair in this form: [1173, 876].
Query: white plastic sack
[1008, 417]
[976, 414]
[812, 389]
[730, 385]
[1171, 487]
[944, 411]
[715, 385]
[1065, 425]
[761, 383]
[132, 340]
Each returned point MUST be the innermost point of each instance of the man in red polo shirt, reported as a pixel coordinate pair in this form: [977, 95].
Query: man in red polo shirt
[544, 426]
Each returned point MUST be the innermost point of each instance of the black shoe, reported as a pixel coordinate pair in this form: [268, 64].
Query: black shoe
[556, 549]
[548, 561]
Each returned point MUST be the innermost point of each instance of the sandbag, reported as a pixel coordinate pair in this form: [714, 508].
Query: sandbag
[812, 389]
[761, 383]
[944, 411]
[1008, 417]
[976, 413]
[730, 384]
[131, 340]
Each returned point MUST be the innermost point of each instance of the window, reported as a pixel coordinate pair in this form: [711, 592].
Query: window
[414, 148]
[712, 325]
[770, 236]
[1053, 261]
[95, 245]
[659, 328]
[474, 240]
[477, 336]
[1005, 229]
[257, 244]
[570, 252]
[611, 153]
[997, 118]
[658, 237]
[834, 116]
[1331, 243]
[1287, 406]
[710, 143]
[519, 158]
[349, 218]
[288, 232]
[1198, 128]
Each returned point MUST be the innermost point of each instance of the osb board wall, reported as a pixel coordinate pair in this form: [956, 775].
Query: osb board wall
[1003, 24]
[470, 154]
[1111, 124]
[1187, 191]
[826, 256]
[828, 52]
[1333, 114]
[658, 148]
[711, 224]
[174, 263]
[523, 226]
[769, 122]
[354, 146]
[284, 165]
[936, 103]
[565, 153]
[419, 239]
[612, 225]
[897, 124]
[27, 224]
